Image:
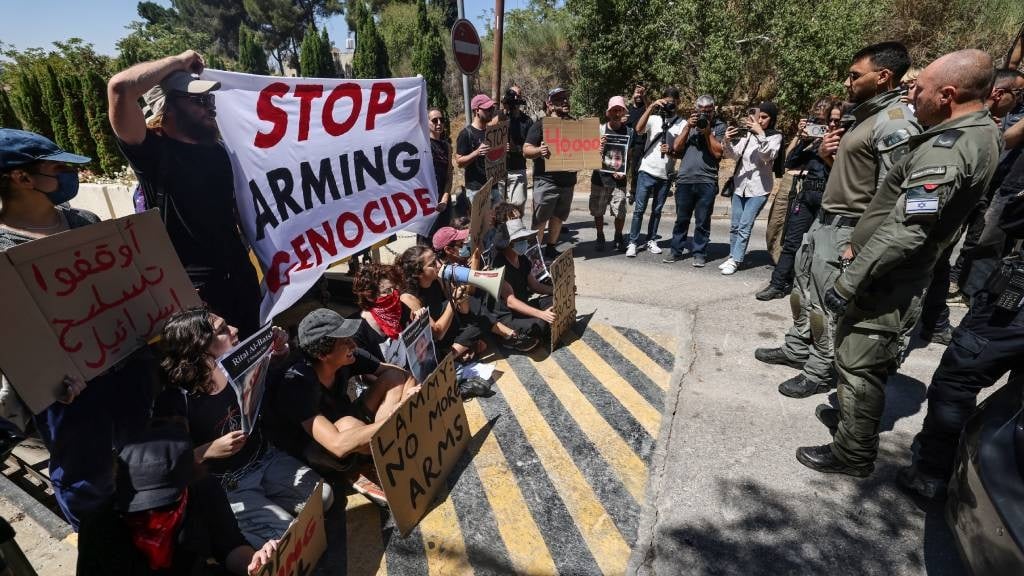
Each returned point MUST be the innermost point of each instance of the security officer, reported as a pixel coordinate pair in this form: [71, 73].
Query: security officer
[881, 127]
[987, 344]
[917, 213]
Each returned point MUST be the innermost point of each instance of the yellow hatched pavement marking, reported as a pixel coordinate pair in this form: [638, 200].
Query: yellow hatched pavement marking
[631, 400]
[602, 537]
[619, 455]
[638, 357]
[442, 540]
[526, 549]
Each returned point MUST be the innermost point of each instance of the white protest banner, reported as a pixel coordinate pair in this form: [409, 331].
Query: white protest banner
[246, 368]
[323, 169]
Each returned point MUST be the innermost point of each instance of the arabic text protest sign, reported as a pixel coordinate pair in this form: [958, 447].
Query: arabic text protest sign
[303, 543]
[496, 159]
[323, 169]
[246, 368]
[563, 274]
[417, 447]
[575, 144]
[78, 302]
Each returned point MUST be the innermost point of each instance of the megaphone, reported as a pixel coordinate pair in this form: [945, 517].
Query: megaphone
[487, 280]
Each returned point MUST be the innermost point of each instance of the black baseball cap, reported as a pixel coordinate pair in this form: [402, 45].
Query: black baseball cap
[325, 323]
[18, 147]
[154, 471]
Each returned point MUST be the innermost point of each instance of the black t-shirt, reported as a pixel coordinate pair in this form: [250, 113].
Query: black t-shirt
[200, 206]
[561, 179]
[518, 127]
[369, 340]
[209, 417]
[441, 151]
[635, 112]
[805, 157]
[517, 275]
[468, 141]
[299, 396]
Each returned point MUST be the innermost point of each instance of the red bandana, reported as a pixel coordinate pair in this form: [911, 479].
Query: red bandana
[153, 533]
[387, 311]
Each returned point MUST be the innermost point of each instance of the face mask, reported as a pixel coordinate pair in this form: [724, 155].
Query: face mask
[67, 187]
[464, 251]
[521, 246]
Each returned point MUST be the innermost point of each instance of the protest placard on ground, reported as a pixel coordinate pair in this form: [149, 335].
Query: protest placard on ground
[323, 169]
[78, 302]
[246, 368]
[575, 144]
[496, 137]
[416, 449]
[563, 275]
[303, 543]
[613, 159]
[419, 348]
[480, 214]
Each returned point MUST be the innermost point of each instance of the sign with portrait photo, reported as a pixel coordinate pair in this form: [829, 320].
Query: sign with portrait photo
[616, 147]
[246, 368]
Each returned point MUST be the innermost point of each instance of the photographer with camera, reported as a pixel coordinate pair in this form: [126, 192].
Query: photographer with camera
[805, 198]
[518, 127]
[661, 125]
[700, 147]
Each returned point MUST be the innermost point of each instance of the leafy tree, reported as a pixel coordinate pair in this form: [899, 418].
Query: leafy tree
[94, 100]
[251, 57]
[449, 10]
[428, 57]
[218, 20]
[371, 56]
[282, 23]
[399, 29]
[310, 61]
[152, 41]
[8, 119]
[74, 115]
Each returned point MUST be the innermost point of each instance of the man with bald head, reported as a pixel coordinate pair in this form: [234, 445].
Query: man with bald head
[916, 214]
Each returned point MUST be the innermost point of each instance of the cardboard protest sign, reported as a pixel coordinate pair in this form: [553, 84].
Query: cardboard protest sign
[246, 368]
[323, 169]
[419, 348]
[574, 144]
[84, 299]
[563, 273]
[480, 214]
[416, 449]
[616, 147]
[496, 137]
[302, 545]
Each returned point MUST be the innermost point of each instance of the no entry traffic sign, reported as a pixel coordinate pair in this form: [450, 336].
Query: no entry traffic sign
[466, 46]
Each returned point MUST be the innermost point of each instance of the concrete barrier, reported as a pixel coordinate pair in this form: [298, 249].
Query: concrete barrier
[105, 200]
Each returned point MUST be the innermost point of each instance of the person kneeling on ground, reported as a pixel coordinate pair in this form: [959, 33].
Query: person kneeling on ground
[514, 307]
[265, 486]
[311, 414]
[378, 292]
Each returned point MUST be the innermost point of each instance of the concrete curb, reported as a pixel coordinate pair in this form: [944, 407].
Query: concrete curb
[55, 526]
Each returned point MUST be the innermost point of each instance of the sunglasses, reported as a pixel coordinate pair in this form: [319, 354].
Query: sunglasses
[206, 100]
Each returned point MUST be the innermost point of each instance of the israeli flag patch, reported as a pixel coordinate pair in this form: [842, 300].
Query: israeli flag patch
[921, 201]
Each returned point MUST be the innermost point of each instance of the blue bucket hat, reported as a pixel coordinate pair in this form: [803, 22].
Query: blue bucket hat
[18, 147]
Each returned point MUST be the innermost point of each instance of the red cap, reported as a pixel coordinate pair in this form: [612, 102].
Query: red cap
[481, 101]
[447, 235]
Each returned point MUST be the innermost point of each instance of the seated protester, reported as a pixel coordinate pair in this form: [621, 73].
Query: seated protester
[265, 486]
[171, 520]
[515, 308]
[37, 179]
[310, 414]
[378, 289]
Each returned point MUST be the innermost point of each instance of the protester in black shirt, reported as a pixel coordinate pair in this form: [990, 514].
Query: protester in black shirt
[471, 148]
[552, 191]
[266, 487]
[310, 415]
[185, 172]
[441, 152]
[636, 108]
[515, 307]
[518, 127]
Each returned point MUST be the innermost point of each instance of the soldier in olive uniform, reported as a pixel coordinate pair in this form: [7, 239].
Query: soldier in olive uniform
[917, 213]
[882, 125]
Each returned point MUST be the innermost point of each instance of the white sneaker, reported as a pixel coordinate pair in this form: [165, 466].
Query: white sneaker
[631, 250]
[727, 262]
[652, 247]
[729, 267]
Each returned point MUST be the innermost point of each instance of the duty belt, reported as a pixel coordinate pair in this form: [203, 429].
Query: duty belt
[813, 185]
[828, 219]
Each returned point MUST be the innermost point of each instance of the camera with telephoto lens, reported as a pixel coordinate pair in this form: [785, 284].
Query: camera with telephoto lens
[512, 99]
[703, 119]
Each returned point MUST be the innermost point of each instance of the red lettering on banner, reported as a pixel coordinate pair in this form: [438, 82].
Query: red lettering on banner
[405, 206]
[378, 106]
[325, 242]
[347, 90]
[266, 111]
[306, 93]
[345, 218]
[276, 276]
[303, 254]
[387, 210]
[375, 227]
[423, 195]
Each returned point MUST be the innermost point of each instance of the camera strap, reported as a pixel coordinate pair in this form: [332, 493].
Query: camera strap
[656, 140]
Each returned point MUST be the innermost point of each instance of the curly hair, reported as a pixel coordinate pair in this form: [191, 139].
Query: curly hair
[366, 285]
[504, 212]
[187, 337]
[411, 264]
[318, 348]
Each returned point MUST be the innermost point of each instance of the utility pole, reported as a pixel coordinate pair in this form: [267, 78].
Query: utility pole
[499, 30]
[465, 79]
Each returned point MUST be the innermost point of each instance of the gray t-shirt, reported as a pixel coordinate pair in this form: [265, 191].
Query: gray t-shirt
[698, 165]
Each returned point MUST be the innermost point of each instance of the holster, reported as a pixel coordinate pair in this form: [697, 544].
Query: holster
[1006, 284]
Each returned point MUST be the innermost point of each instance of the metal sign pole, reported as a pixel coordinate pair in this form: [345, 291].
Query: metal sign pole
[465, 78]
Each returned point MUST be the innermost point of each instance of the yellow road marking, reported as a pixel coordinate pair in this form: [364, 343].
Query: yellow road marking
[523, 540]
[631, 400]
[619, 455]
[442, 540]
[362, 518]
[597, 528]
[639, 359]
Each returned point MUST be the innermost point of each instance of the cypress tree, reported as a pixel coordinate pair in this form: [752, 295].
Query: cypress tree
[428, 58]
[94, 99]
[251, 56]
[74, 115]
[53, 104]
[310, 59]
[326, 56]
[27, 100]
[371, 56]
[8, 118]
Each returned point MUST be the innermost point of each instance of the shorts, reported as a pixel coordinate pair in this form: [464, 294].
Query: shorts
[550, 201]
[515, 191]
[604, 197]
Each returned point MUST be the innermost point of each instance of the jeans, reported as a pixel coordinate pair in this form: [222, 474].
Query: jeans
[693, 201]
[647, 187]
[744, 210]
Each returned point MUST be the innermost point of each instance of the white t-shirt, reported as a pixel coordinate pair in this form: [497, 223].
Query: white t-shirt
[652, 162]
